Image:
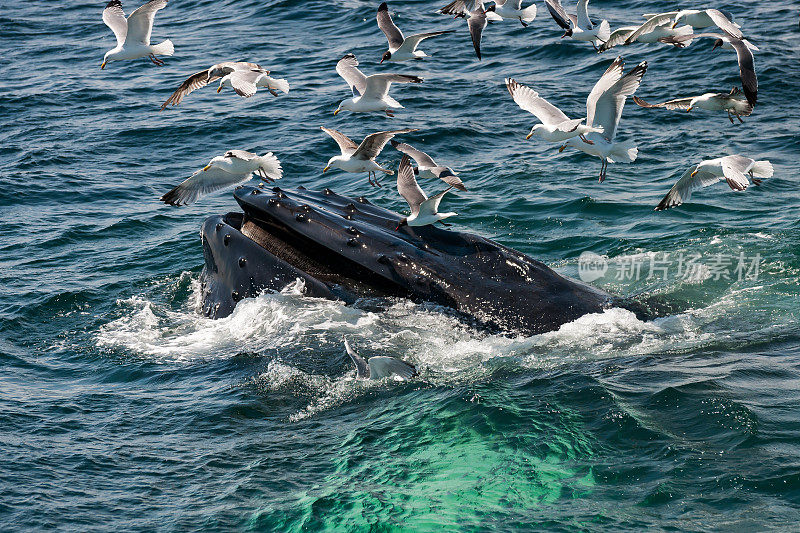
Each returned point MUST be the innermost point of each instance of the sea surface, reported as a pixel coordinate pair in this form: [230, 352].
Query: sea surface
[123, 409]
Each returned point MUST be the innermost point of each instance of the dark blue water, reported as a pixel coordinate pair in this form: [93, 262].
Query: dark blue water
[123, 408]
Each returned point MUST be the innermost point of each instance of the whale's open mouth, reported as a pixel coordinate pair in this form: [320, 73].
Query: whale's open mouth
[347, 249]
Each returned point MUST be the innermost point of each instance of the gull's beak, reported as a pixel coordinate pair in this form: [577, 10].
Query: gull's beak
[380, 62]
[563, 147]
[324, 170]
[337, 111]
[219, 88]
[103, 65]
[693, 173]
[528, 137]
[206, 167]
[675, 24]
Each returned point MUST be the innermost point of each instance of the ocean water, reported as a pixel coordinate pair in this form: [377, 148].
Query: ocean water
[122, 408]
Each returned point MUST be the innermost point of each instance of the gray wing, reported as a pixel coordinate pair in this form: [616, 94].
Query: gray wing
[140, 22]
[449, 177]
[362, 369]
[611, 76]
[388, 27]
[421, 158]
[200, 183]
[244, 82]
[226, 67]
[734, 168]
[241, 154]
[609, 105]
[346, 68]
[384, 367]
[651, 24]
[412, 41]
[377, 85]
[559, 15]
[372, 144]
[529, 100]
[747, 70]
[192, 83]
[724, 23]
[682, 190]
[477, 23]
[681, 104]
[616, 38]
[346, 145]
[114, 17]
[407, 185]
[458, 8]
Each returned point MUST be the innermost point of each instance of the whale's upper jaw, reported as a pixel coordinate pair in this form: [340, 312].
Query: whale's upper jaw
[348, 248]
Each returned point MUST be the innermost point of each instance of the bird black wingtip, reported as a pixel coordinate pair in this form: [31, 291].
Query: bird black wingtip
[114, 3]
[383, 7]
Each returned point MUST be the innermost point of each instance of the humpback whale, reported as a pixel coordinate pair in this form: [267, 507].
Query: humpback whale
[346, 249]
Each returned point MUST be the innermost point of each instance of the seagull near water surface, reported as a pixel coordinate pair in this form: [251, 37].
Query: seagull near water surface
[401, 48]
[370, 93]
[356, 158]
[133, 33]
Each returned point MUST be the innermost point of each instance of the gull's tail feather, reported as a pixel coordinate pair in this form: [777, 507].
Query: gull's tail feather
[625, 152]
[271, 166]
[762, 169]
[279, 84]
[164, 49]
[529, 13]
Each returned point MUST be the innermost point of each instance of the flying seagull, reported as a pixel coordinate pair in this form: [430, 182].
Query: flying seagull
[427, 167]
[379, 367]
[580, 27]
[401, 48]
[246, 82]
[370, 93]
[732, 102]
[424, 210]
[233, 168]
[133, 33]
[663, 33]
[512, 9]
[734, 169]
[476, 16]
[556, 126]
[220, 70]
[694, 18]
[604, 109]
[357, 158]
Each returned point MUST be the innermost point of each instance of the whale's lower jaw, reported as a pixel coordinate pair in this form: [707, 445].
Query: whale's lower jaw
[347, 249]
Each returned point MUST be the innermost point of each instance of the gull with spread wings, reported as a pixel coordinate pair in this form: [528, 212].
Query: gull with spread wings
[401, 48]
[133, 33]
[424, 210]
[370, 93]
[358, 158]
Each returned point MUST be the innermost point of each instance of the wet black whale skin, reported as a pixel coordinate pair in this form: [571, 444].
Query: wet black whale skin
[344, 248]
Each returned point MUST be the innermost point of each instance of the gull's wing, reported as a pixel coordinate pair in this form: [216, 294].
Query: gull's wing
[346, 145]
[611, 76]
[583, 14]
[421, 158]
[682, 190]
[651, 24]
[192, 83]
[244, 155]
[377, 85]
[734, 168]
[384, 367]
[244, 82]
[559, 15]
[431, 205]
[616, 38]
[681, 104]
[114, 17]
[373, 143]
[200, 183]
[140, 22]
[408, 187]
[747, 70]
[724, 23]
[459, 8]
[388, 27]
[226, 67]
[530, 101]
[449, 177]
[606, 107]
[346, 68]
[477, 23]
[362, 369]
[412, 41]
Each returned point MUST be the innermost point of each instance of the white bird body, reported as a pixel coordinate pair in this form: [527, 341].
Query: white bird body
[733, 169]
[720, 102]
[246, 82]
[512, 9]
[424, 210]
[133, 33]
[556, 133]
[356, 158]
[370, 93]
[233, 168]
[579, 27]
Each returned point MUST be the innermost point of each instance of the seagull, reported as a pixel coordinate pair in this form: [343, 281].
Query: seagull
[133, 33]
[692, 17]
[512, 9]
[424, 210]
[380, 366]
[361, 157]
[579, 28]
[247, 82]
[370, 93]
[663, 33]
[427, 167]
[221, 70]
[604, 108]
[233, 168]
[733, 169]
[401, 48]
[732, 102]
[556, 126]
[476, 16]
